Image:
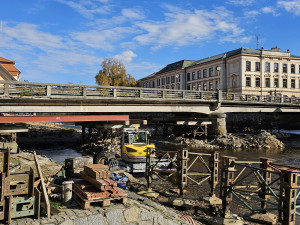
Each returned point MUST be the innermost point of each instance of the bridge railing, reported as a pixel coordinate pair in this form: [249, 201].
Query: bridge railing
[50, 90]
[259, 98]
[23, 89]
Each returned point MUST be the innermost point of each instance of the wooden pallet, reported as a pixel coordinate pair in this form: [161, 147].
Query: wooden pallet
[85, 203]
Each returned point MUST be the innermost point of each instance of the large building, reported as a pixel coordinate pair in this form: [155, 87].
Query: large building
[244, 70]
[8, 71]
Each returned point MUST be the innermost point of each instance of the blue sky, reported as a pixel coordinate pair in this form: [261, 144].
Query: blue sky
[65, 41]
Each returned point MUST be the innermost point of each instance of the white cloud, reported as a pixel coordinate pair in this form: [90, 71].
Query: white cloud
[125, 56]
[265, 10]
[252, 13]
[290, 6]
[102, 39]
[242, 2]
[133, 14]
[30, 35]
[269, 9]
[88, 8]
[183, 27]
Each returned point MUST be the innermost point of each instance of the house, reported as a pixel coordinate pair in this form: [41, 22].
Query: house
[8, 71]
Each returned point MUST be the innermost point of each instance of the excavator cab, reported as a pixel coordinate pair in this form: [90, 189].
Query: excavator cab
[134, 145]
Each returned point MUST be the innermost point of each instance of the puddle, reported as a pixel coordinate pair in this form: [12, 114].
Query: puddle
[59, 155]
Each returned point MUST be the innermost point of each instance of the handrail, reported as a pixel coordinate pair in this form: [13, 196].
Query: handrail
[57, 90]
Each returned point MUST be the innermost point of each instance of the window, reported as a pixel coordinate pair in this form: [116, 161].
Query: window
[188, 76]
[204, 86]
[172, 79]
[284, 68]
[292, 68]
[276, 67]
[257, 82]
[199, 87]
[257, 66]
[158, 82]
[199, 74]
[217, 85]
[188, 87]
[204, 73]
[211, 87]
[248, 81]
[284, 83]
[168, 80]
[293, 84]
[267, 67]
[163, 81]
[211, 72]
[177, 77]
[267, 82]
[193, 76]
[276, 82]
[248, 66]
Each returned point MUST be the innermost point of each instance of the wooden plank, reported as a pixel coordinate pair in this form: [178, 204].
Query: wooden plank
[44, 190]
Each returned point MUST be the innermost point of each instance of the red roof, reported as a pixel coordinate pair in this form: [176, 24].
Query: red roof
[11, 69]
[4, 60]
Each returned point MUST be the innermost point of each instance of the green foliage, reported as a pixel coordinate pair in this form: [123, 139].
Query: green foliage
[113, 73]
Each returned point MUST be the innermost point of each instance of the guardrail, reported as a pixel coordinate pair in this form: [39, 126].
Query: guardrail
[21, 89]
[54, 90]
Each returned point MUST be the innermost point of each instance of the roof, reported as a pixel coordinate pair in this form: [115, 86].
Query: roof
[177, 65]
[227, 55]
[11, 69]
[4, 60]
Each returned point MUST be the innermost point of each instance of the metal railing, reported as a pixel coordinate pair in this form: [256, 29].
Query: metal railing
[61, 91]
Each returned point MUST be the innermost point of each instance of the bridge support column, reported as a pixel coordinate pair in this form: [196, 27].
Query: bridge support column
[219, 123]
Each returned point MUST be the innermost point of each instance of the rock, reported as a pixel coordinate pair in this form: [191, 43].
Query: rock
[132, 214]
[114, 217]
[267, 218]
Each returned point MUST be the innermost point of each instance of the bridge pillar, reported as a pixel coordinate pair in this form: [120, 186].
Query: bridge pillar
[219, 123]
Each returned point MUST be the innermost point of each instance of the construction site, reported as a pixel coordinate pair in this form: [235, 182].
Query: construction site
[136, 182]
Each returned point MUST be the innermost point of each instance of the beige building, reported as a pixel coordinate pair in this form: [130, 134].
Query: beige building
[244, 70]
[8, 71]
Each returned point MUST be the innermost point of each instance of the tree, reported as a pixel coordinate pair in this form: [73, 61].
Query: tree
[113, 73]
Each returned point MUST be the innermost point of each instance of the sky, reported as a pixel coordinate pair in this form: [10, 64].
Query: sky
[65, 41]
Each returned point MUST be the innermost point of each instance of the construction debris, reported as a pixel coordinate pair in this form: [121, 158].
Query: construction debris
[96, 186]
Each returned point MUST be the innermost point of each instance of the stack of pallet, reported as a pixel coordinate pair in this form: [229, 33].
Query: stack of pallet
[19, 195]
[96, 186]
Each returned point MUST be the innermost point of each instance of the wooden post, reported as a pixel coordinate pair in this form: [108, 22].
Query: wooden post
[44, 191]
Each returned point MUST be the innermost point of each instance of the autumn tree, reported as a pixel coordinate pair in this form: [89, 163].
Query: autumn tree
[113, 73]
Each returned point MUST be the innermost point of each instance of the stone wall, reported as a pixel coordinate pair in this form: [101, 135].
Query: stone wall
[138, 211]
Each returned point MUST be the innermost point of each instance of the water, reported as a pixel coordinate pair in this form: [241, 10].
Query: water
[59, 155]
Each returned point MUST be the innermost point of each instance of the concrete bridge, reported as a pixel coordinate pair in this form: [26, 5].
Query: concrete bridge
[27, 97]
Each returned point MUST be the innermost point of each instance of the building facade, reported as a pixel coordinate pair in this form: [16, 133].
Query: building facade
[8, 71]
[244, 70]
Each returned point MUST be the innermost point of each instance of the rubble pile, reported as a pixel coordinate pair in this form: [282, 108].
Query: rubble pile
[263, 140]
[107, 145]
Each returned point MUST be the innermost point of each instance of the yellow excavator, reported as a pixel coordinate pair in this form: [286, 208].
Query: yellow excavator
[134, 145]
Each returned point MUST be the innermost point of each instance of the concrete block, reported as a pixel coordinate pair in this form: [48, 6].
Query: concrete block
[96, 220]
[132, 214]
[114, 217]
